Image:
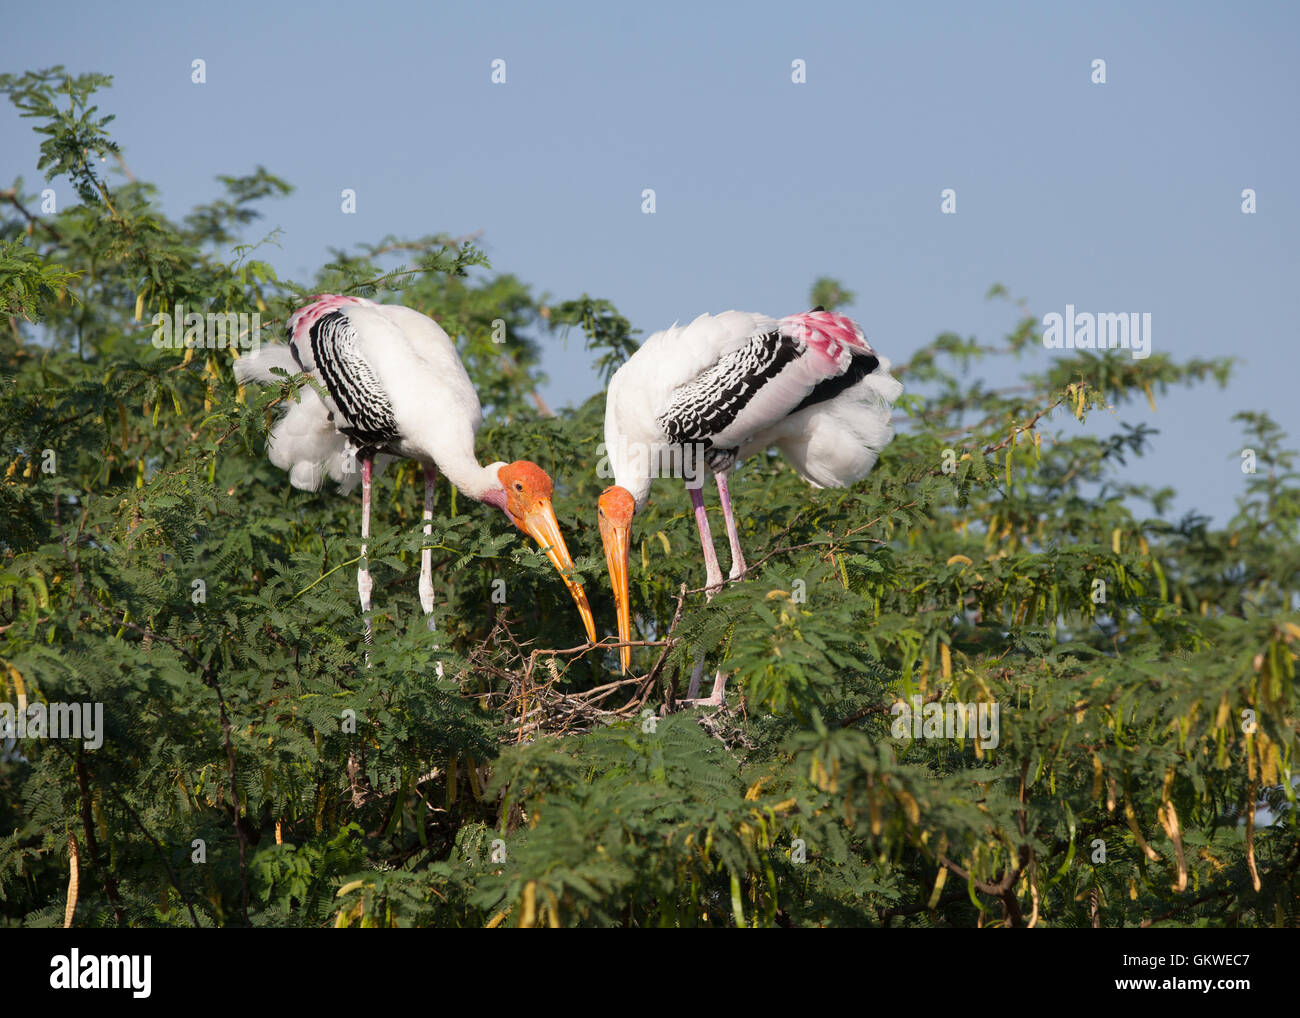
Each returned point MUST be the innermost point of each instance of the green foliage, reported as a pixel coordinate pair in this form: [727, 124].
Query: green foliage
[27, 282]
[606, 330]
[494, 770]
[73, 136]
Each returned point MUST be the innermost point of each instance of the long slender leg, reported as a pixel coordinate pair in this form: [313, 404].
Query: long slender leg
[737, 556]
[713, 571]
[718, 697]
[713, 574]
[364, 584]
[426, 554]
[738, 568]
[715, 699]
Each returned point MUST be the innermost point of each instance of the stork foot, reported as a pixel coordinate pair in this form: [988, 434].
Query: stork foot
[717, 698]
[704, 701]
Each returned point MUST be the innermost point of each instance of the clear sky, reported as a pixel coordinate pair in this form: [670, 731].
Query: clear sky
[1118, 197]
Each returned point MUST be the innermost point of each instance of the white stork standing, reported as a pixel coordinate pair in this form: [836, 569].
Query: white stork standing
[396, 389]
[727, 386]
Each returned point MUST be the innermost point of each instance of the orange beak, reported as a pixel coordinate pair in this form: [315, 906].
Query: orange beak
[616, 539]
[540, 524]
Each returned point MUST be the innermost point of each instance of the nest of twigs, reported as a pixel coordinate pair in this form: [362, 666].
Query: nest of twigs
[535, 701]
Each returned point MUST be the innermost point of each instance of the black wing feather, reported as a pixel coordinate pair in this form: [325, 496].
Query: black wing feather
[351, 382]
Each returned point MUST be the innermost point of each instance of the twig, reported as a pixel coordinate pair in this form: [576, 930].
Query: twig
[83, 779]
[11, 195]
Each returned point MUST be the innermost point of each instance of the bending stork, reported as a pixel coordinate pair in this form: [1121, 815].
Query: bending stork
[720, 389]
[395, 389]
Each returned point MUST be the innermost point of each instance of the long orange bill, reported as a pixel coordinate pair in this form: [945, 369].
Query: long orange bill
[615, 539]
[544, 528]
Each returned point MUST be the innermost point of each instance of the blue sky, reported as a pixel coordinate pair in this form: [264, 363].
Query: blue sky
[1117, 197]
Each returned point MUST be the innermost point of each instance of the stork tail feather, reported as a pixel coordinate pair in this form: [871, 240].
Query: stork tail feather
[304, 441]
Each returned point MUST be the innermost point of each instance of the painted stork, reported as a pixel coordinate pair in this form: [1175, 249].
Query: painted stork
[395, 389]
[720, 389]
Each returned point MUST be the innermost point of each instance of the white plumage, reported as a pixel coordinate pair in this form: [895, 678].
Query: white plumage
[833, 443]
[418, 374]
[389, 384]
[728, 386]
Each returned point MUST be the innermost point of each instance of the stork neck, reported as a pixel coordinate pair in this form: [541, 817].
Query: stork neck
[632, 465]
[634, 483]
[478, 482]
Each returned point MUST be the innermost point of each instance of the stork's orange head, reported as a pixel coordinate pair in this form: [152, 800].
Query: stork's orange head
[526, 485]
[528, 491]
[616, 506]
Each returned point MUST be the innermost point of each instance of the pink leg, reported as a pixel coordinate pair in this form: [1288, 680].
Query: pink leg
[715, 699]
[364, 584]
[718, 697]
[737, 556]
[713, 573]
[738, 568]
